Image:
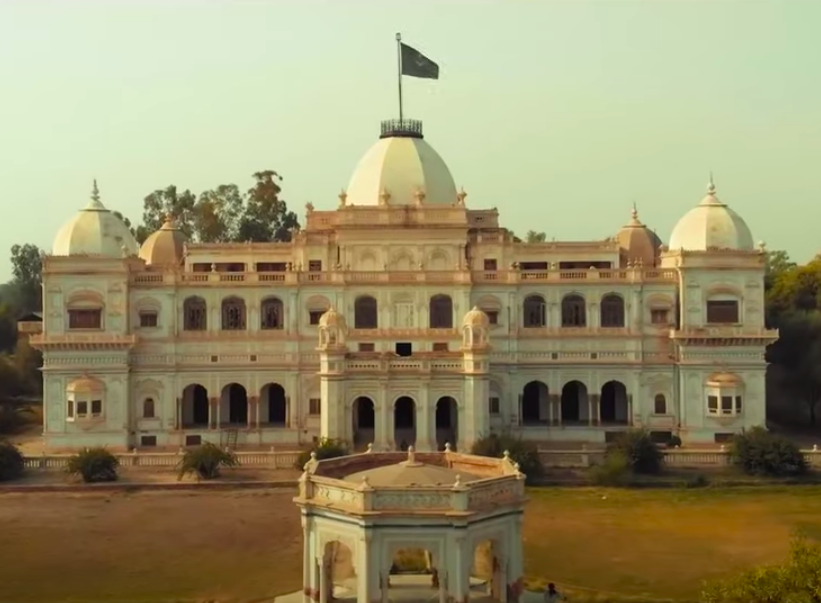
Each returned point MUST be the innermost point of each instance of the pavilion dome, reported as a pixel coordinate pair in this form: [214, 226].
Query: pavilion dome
[410, 473]
[332, 318]
[476, 318]
[164, 247]
[401, 169]
[637, 242]
[95, 231]
[711, 225]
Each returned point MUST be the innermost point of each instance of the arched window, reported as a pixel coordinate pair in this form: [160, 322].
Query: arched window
[535, 315]
[574, 312]
[723, 309]
[233, 314]
[195, 314]
[271, 314]
[441, 312]
[612, 311]
[660, 405]
[148, 408]
[365, 313]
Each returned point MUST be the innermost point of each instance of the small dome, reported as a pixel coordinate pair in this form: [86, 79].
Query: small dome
[164, 247]
[637, 242]
[332, 318]
[476, 318]
[410, 473]
[401, 170]
[711, 225]
[85, 385]
[95, 231]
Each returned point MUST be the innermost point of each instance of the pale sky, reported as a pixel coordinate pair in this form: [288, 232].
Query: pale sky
[561, 114]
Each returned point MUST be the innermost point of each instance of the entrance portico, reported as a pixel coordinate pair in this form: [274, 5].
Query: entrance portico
[360, 511]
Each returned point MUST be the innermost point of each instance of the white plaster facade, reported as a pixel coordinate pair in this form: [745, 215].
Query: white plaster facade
[188, 342]
[359, 511]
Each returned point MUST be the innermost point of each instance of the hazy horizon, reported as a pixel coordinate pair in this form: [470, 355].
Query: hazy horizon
[560, 114]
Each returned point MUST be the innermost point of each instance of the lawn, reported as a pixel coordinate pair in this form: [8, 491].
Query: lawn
[246, 545]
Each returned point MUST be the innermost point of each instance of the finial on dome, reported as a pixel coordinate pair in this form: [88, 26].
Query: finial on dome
[95, 192]
[711, 186]
[384, 197]
[634, 213]
[419, 196]
[461, 196]
[343, 198]
[411, 455]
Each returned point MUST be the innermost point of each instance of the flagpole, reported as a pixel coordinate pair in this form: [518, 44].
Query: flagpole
[399, 69]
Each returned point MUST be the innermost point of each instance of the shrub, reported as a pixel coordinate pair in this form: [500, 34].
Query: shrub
[327, 448]
[674, 442]
[614, 471]
[11, 462]
[756, 451]
[205, 461]
[94, 465]
[524, 453]
[642, 454]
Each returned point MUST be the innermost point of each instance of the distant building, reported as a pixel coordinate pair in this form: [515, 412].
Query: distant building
[401, 317]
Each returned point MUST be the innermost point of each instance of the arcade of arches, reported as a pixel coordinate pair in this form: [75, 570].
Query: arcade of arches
[574, 405]
[406, 423]
[233, 407]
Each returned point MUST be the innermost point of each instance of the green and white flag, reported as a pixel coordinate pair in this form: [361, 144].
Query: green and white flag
[415, 64]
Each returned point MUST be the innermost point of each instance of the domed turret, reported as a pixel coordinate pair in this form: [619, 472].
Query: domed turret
[476, 318]
[332, 329]
[711, 225]
[95, 231]
[401, 169]
[475, 330]
[164, 247]
[637, 242]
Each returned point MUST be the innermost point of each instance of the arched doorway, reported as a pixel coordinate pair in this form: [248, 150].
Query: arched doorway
[338, 567]
[364, 421]
[234, 404]
[487, 566]
[404, 422]
[574, 402]
[195, 406]
[535, 401]
[614, 403]
[273, 408]
[447, 422]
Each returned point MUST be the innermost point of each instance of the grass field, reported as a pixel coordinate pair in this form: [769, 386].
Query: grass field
[246, 545]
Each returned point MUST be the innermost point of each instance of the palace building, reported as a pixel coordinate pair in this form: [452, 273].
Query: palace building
[401, 317]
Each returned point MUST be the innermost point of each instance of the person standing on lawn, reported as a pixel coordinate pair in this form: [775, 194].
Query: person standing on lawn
[551, 595]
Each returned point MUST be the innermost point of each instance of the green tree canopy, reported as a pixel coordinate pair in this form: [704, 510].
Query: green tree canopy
[27, 271]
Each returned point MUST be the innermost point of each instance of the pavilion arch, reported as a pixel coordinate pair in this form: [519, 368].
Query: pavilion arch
[271, 313]
[611, 311]
[404, 421]
[403, 261]
[363, 416]
[574, 402]
[365, 312]
[447, 422]
[534, 312]
[234, 404]
[338, 565]
[196, 411]
[574, 311]
[85, 298]
[366, 261]
[234, 314]
[535, 403]
[440, 309]
[273, 405]
[85, 309]
[194, 314]
[613, 406]
[488, 555]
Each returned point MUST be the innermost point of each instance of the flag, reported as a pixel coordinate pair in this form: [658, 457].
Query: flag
[415, 64]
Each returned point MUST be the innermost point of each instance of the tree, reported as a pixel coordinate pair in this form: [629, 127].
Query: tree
[216, 214]
[796, 357]
[798, 580]
[266, 216]
[535, 237]
[776, 263]
[794, 289]
[162, 203]
[27, 271]
[127, 222]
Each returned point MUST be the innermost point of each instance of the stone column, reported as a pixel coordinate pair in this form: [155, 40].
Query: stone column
[178, 418]
[212, 402]
[425, 421]
[383, 431]
[515, 567]
[367, 569]
[630, 409]
[309, 577]
[459, 574]
[256, 411]
[251, 403]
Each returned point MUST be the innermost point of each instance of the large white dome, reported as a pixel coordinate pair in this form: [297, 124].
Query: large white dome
[95, 231]
[711, 225]
[403, 167]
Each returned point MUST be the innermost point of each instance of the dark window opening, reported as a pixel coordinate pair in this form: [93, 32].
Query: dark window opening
[365, 313]
[85, 319]
[441, 312]
[533, 266]
[440, 347]
[612, 311]
[585, 265]
[660, 405]
[193, 440]
[490, 265]
[271, 267]
[314, 316]
[148, 320]
[494, 406]
[195, 314]
[535, 312]
[233, 314]
[660, 317]
[722, 312]
[148, 441]
[404, 349]
[366, 347]
[492, 316]
[574, 311]
[315, 266]
[271, 314]
[314, 406]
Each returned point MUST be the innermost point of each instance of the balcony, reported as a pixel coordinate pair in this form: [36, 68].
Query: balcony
[724, 335]
[83, 341]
